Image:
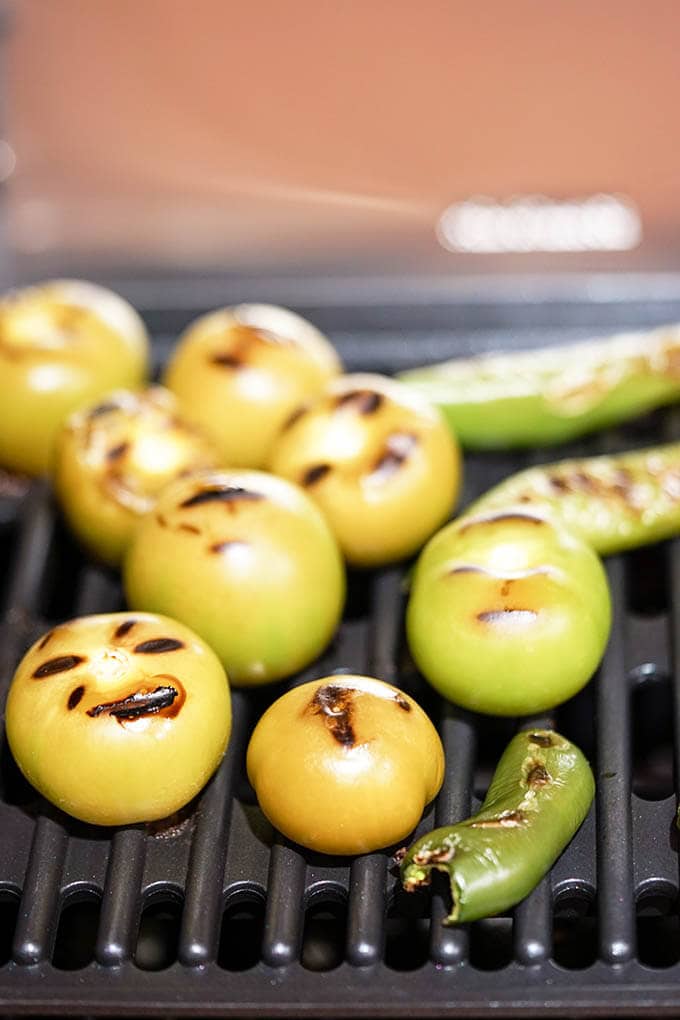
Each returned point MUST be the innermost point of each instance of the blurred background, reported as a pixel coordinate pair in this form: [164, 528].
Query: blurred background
[312, 136]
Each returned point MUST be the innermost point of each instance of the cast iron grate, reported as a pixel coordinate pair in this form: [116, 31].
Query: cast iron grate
[213, 913]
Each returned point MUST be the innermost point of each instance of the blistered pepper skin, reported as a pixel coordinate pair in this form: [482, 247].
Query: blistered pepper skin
[552, 395]
[508, 613]
[62, 344]
[539, 796]
[613, 502]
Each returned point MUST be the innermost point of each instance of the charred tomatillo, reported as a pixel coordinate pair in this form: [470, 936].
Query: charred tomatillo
[239, 372]
[249, 562]
[379, 461]
[345, 765]
[62, 344]
[509, 613]
[119, 718]
[113, 458]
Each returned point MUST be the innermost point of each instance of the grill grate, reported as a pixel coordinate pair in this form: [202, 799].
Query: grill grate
[212, 913]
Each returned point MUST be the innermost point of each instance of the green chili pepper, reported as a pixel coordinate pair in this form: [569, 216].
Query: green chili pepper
[611, 502]
[551, 395]
[540, 794]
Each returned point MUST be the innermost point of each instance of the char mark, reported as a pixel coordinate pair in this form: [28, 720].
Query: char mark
[227, 360]
[123, 628]
[398, 448]
[364, 401]
[45, 640]
[157, 646]
[220, 547]
[508, 820]
[481, 522]
[402, 703]
[136, 705]
[334, 704]
[59, 665]
[101, 409]
[75, 697]
[315, 474]
[538, 775]
[541, 739]
[507, 616]
[116, 452]
[221, 494]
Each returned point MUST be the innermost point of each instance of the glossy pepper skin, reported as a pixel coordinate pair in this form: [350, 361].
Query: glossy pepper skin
[552, 395]
[62, 344]
[345, 764]
[248, 562]
[119, 718]
[508, 613]
[239, 372]
[613, 503]
[539, 796]
[112, 459]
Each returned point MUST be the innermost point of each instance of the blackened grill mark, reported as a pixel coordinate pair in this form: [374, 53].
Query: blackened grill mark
[470, 569]
[220, 547]
[505, 588]
[59, 665]
[398, 448]
[541, 739]
[222, 494]
[75, 697]
[298, 413]
[46, 640]
[334, 704]
[156, 646]
[509, 820]
[162, 520]
[123, 628]
[481, 522]
[101, 409]
[315, 474]
[538, 775]
[191, 528]
[116, 452]
[402, 703]
[365, 401]
[507, 616]
[226, 360]
[138, 704]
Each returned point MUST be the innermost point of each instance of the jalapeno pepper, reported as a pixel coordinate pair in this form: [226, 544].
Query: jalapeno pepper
[552, 395]
[611, 502]
[540, 794]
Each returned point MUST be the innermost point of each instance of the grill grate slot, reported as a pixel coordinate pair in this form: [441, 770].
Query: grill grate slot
[214, 912]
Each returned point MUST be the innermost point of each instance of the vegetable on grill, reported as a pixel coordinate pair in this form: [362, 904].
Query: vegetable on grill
[378, 460]
[238, 373]
[62, 344]
[248, 561]
[113, 457]
[551, 395]
[345, 764]
[119, 718]
[539, 796]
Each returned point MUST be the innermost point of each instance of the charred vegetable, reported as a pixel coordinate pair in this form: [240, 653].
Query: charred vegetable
[249, 562]
[345, 765]
[119, 718]
[539, 796]
[535, 398]
[238, 373]
[612, 502]
[113, 458]
[378, 460]
[62, 344]
[509, 613]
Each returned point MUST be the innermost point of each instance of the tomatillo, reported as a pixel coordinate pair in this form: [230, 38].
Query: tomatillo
[113, 458]
[119, 718]
[509, 613]
[379, 461]
[62, 344]
[249, 562]
[345, 765]
[239, 372]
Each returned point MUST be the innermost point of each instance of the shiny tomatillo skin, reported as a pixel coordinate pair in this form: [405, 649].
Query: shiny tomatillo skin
[62, 344]
[248, 561]
[345, 765]
[613, 502]
[378, 460]
[119, 718]
[112, 459]
[509, 613]
[539, 796]
[536, 398]
[239, 372]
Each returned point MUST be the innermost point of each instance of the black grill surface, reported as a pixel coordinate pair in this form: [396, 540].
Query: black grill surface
[213, 913]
